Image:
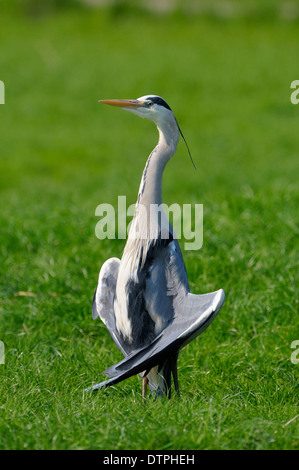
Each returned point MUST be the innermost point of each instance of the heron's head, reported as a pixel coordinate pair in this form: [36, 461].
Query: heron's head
[155, 109]
[150, 107]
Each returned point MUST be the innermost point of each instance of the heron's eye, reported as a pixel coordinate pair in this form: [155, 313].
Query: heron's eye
[150, 103]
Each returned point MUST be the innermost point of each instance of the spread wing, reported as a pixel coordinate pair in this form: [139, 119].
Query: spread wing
[193, 314]
[103, 299]
[166, 284]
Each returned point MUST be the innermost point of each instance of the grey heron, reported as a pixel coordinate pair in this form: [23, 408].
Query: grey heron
[144, 299]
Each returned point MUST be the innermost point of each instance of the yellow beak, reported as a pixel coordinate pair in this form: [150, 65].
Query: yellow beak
[123, 103]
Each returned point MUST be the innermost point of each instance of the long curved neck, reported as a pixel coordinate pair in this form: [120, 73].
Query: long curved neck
[145, 226]
[150, 190]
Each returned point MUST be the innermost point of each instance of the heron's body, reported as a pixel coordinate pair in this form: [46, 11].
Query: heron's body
[146, 294]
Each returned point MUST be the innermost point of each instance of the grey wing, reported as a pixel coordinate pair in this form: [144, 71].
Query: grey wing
[193, 316]
[176, 274]
[166, 285]
[103, 300]
[186, 316]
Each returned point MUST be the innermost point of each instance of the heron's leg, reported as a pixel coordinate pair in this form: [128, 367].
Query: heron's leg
[169, 392]
[176, 381]
[144, 386]
[174, 370]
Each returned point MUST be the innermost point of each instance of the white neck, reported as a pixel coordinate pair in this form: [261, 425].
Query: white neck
[146, 226]
[150, 190]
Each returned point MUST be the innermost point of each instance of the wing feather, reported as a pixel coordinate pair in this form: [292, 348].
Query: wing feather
[194, 315]
[103, 300]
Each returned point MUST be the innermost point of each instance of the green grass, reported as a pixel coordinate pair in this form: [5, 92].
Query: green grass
[62, 154]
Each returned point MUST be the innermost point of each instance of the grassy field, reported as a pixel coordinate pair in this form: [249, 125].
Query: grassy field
[62, 154]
